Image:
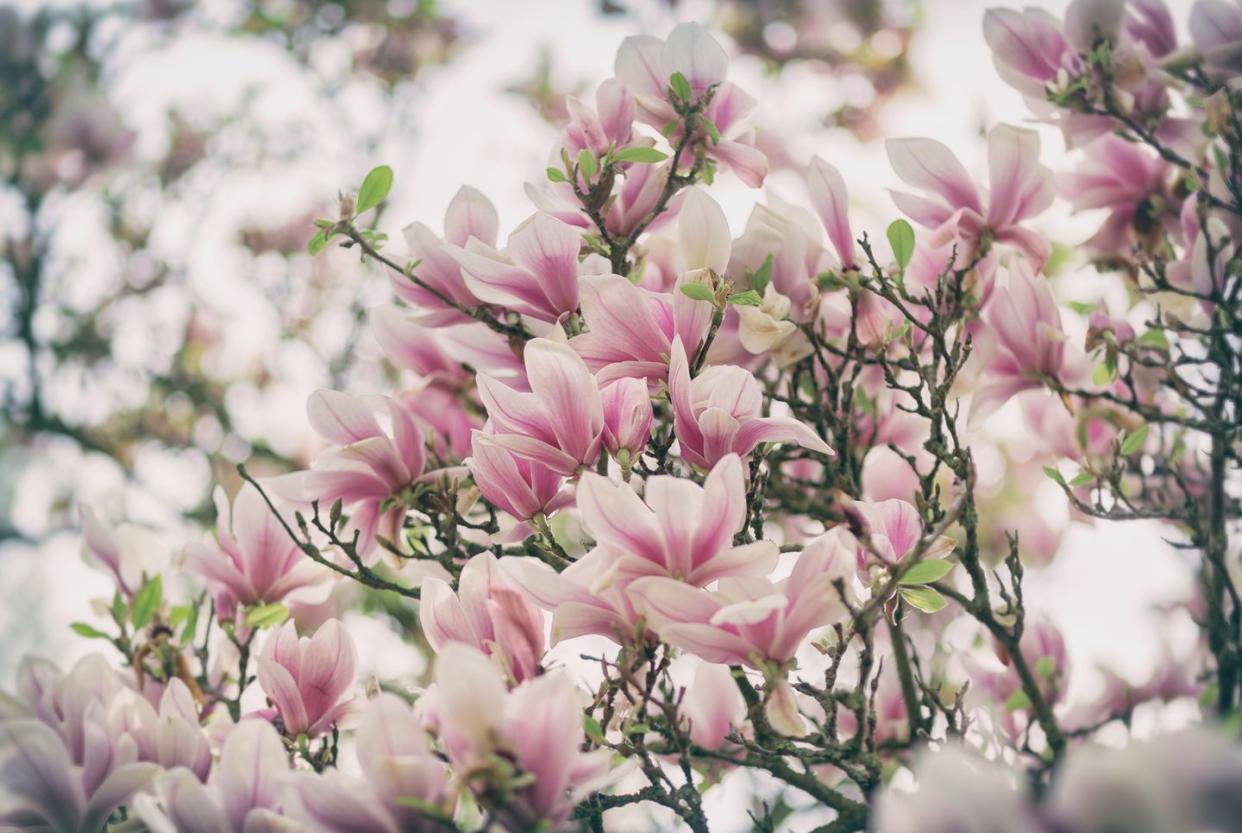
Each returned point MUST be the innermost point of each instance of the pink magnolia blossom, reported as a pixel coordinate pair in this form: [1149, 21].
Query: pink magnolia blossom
[537, 726]
[129, 554]
[631, 204]
[954, 207]
[255, 561]
[631, 329]
[831, 201]
[1030, 340]
[791, 236]
[49, 790]
[747, 620]
[307, 679]
[713, 705]
[171, 736]
[1216, 29]
[244, 794]
[487, 612]
[1043, 648]
[627, 417]
[536, 275]
[560, 422]
[677, 529]
[366, 465]
[718, 413]
[586, 598]
[470, 216]
[397, 765]
[644, 64]
[1133, 185]
[894, 528]
[514, 483]
[609, 126]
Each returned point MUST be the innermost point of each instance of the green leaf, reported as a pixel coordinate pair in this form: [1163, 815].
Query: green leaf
[1104, 373]
[146, 602]
[593, 730]
[118, 607]
[698, 291]
[641, 155]
[901, 238]
[925, 572]
[269, 615]
[316, 244]
[1082, 478]
[1017, 701]
[587, 164]
[83, 629]
[1081, 307]
[762, 276]
[191, 626]
[749, 298]
[556, 175]
[1154, 338]
[680, 86]
[1054, 475]
[1045, 667]
[374, 189]
[1134, 442]
[713, 132]
[924, 598]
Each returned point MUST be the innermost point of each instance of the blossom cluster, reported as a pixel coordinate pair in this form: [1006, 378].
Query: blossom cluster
[743, 466]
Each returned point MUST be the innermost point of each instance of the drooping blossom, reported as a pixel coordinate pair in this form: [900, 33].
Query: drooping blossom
[718, 412]
[254, 560]
[128, 553]
[677, 529]
[645, 64]
[627, 417]
[750, 621]
[487, 612]
[537, 727]
[397, 766]
[513, 482]
[244, 795]
[308, 679]
[713, 705]
[1030, 341]
[560, 422]
[470, 215]
[536, 274]
[953, 206]
[367, 464]
[1134, 186]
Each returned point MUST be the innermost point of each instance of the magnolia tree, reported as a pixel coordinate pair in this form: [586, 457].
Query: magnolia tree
[737, 473]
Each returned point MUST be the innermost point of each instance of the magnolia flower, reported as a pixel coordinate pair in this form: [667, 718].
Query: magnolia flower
[893, 529]
[1030, 341]
[1043, 648]
[677, 529]
[244, 794]
[1216, 29]
[560, 422]
[749, 620]
[956, 791]
[627, 417]
[645, 64]
[629, 206]
[631, 329]
[536, 275]
[488, 613]
[470, 215]
[536, 726]
[718, 413]
[129, 554]
[790, 235]
[586, 598]
[831, 201]
[367, 465]
[52, 791]
[607, 127]
[397, 766]
[1133, 185]
[713, 705]
[514, 483]
[307, 679]
[953, 206]
[171, 736]
[255, 562]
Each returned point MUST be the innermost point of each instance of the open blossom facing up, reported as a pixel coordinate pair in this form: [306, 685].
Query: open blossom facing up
[669, 508]
[308, 679]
